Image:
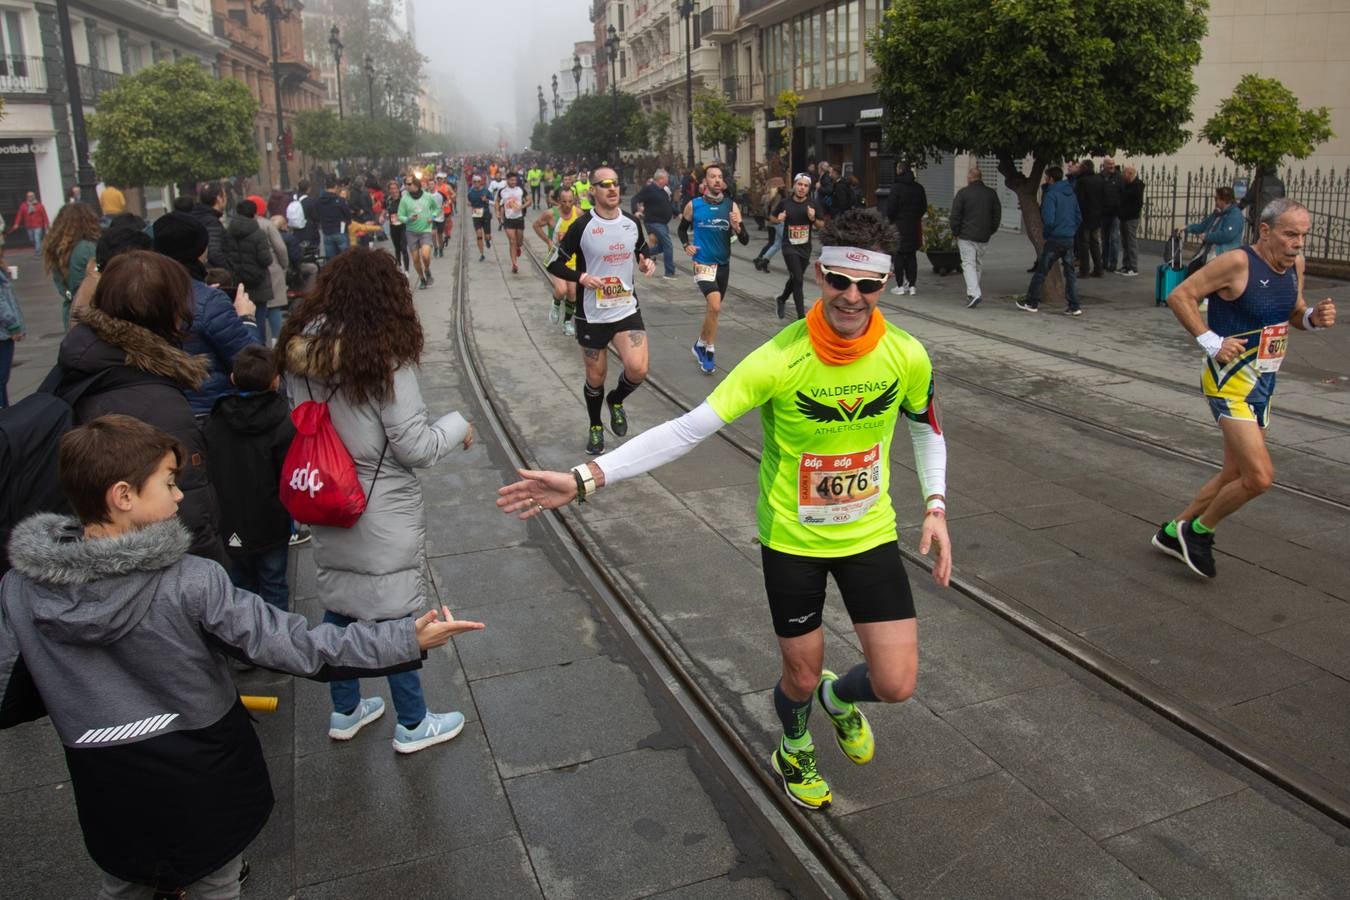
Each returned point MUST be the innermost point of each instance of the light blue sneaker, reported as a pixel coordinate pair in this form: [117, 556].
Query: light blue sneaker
[436, 728]
[344, 728]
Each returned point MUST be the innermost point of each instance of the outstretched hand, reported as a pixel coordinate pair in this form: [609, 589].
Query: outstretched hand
[536, 492]
[935, 533]
[432, 633]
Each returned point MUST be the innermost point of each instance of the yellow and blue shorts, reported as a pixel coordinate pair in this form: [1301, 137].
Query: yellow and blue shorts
[1237, 391]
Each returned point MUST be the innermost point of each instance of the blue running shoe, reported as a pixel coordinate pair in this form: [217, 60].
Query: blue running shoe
[701, 356]
[344, 728]
[436, 728]
[710, 363]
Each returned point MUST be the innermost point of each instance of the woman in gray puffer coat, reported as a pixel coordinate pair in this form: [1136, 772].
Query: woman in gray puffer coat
[375, 569]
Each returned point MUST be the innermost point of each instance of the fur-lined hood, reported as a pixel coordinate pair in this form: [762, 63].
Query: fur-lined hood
[300, 360]
[139, 348]
[92, 590]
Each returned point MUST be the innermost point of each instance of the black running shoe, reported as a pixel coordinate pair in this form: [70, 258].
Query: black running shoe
[782, 307]
[1168, 544]
[1197, 550]
[618, 422]
[595, 445]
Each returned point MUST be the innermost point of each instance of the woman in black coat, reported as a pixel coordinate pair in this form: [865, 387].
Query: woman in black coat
[249, 253]
[125, 350]
[906, 207]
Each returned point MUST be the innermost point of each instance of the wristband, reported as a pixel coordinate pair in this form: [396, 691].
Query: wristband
[1307, 320]
[937, 511]
[1209, 342]
[585, 481]
[936, 504]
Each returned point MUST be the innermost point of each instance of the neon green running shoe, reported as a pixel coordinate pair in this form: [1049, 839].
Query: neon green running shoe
[851, 729]
[797, 770]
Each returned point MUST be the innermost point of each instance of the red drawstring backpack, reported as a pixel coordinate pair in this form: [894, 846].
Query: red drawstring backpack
[319, 485]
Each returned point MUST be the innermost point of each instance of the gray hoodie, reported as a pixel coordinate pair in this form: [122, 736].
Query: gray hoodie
[123, 642]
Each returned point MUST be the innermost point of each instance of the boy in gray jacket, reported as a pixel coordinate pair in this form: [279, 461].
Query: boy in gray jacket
[108, 626]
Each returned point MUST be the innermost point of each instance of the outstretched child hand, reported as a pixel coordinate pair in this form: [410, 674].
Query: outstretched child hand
[433, 633]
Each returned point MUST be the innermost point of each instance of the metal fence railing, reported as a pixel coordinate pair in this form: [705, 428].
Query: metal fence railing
[1173, 199]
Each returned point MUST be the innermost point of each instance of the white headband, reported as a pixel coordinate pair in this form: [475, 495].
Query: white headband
[855, 258]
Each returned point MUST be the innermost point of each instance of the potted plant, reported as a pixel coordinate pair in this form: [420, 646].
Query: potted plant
[939, 244]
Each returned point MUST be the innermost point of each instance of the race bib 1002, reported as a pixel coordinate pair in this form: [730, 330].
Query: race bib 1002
[612, 293]
[838, 488]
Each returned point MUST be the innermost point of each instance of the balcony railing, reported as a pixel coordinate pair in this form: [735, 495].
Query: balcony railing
[94, 82]
[717, 22]
[739, 89]
[23, 75]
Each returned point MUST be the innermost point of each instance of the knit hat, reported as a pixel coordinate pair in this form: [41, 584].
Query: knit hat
[258, 202]
[180, 237]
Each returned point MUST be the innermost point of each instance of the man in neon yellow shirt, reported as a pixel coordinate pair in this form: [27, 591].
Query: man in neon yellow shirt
[830, 389]
[534, 177]
[582, 187]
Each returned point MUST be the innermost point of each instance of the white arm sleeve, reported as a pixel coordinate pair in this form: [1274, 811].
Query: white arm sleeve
[930, 458]
[657, 446]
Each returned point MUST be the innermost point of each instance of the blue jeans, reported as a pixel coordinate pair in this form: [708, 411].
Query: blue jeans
[1055, 250]
[405, 688]
[35, 236]
[1110, 243]
[276, 316]
[774, 243]
[662, 232]
[333, 244]
[263, 574]
[6, 360]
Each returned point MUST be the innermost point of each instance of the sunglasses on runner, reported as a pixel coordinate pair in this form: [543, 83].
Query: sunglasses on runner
[840, 282]
[607, 183]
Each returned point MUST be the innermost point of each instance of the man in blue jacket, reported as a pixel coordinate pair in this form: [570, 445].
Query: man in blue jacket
[1061, 217]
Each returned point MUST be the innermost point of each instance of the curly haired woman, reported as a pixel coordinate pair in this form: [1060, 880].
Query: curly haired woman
[373, 570]
[69, 249]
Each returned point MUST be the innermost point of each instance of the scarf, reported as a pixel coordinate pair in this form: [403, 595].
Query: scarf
[834, 350]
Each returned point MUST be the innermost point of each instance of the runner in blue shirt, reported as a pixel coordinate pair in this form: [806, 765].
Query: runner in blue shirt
[714, 218]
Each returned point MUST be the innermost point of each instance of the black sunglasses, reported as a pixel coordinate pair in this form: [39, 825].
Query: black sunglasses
[840, 282]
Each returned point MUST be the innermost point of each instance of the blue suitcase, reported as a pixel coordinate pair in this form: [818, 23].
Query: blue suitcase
[1167, 278]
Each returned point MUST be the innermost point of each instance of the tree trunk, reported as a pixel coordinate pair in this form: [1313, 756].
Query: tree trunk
[1026, 186]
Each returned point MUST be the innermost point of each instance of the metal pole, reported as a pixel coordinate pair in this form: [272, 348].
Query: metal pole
[84, 172]
[273, 13]
[689, 86]
[337, 64]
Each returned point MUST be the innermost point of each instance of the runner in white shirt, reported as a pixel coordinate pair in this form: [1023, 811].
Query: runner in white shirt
[606, 242]
[511, 205]
[495, 187]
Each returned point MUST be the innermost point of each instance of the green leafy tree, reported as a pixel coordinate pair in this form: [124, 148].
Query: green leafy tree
[785, 108]
[539, 137]
[718, 128]
[319, 135]
[658, 130]
[1261, 124]
[172, 123]
[1045, 79]
[587, 129]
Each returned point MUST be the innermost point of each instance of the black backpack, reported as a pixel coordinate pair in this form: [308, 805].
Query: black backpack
[30, 435]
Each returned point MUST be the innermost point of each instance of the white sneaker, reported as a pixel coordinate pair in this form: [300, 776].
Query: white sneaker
[554, 313]
[570, 328]
[911, 290]
[898, 290]
[436, 728]
[344, 728]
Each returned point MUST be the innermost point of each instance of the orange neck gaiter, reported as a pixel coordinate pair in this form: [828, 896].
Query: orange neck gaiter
[834, 350]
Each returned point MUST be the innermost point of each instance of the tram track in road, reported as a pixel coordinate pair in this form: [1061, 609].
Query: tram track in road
[822, 868]
[1269, 764]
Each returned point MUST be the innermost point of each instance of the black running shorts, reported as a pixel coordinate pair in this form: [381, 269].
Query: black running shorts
[873, 583]
[720, 285]
[514, 224]
[597, 335]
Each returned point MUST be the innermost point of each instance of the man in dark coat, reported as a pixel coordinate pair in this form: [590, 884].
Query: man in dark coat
[976, 215]
[906, 207]
[208, 210]
[249, 253]
[1090, 189]
[1112, 182]
[1131, 209]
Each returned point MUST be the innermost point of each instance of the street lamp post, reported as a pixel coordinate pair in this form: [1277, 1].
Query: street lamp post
[370, 83]
[335, 44]
[687, 11]
[277, 11]
[543, 106]
[84, 172]
[555, 95]
[576, 73]
[612, 48]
